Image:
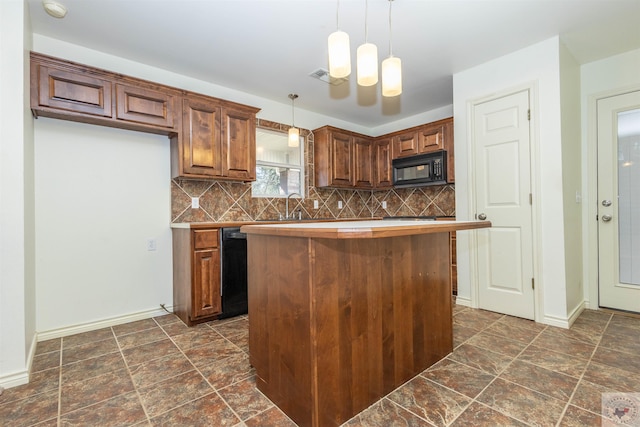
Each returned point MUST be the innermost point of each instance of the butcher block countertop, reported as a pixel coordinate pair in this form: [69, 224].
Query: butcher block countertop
[362, 229]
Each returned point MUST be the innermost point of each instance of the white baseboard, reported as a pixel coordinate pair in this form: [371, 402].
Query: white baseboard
[105, 323]
[463, 301]
[565, 323]
[577, 312]
[21, 377]
[14, 379]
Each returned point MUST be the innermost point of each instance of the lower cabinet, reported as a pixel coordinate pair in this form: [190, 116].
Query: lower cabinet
[196, 274]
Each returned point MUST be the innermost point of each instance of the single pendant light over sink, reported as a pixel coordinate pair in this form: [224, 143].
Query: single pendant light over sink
[339, 51]
[391, 69]
[367, 56]
[294, 132]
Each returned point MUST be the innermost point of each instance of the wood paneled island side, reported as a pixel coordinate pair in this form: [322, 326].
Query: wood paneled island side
[340, 314]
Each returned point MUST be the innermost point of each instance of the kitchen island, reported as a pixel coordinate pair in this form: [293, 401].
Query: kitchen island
[341, 314]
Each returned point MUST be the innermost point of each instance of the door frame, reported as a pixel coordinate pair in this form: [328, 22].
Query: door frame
[590, 197]
[534, 160]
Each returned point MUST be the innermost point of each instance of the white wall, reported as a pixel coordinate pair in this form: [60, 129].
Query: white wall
[100, 194]
[571, 179]
[599, 79]
[17, 285]
[537, 65]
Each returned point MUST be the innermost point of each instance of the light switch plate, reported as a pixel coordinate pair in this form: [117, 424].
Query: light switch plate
[315, 204]
[339, 204]
[195, 202]
[384, 205]
[151, 244]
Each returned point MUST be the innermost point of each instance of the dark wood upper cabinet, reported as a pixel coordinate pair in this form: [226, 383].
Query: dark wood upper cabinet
[70, 91]
[382, 167]
[363, 162]
[405, 144]
[422, 139]
[143, 105]
[210, 137]
[200, 143]
[217, 141]
[343, 159]
[426, 138]
[239, 144]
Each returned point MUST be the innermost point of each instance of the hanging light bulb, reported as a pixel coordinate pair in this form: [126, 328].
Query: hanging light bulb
[391, 69]
[367, 57]
[294, 132]
[339, 51]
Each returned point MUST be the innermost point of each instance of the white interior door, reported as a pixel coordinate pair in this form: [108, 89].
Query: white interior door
[619, 201]
[503, 186]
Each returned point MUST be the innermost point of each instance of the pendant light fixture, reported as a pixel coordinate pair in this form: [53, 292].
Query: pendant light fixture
[294, 132]
[367, 56]
[339, 51]
[391, 69]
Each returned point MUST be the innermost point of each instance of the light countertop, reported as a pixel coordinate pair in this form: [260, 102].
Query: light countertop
[362, 229]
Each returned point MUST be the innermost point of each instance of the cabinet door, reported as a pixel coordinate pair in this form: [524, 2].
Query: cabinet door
[341, 160]
[206, 283]
[362, 161]
[382, 164]
[142, 105]
[239, 146]
[73, 91]
[200, 142]
[431, 138]
[405, 145]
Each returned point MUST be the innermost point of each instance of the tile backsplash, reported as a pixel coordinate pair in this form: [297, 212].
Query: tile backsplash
[226, 201]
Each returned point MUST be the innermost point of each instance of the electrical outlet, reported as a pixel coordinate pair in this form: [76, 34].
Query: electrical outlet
[315, 204]
[195, 202]
[384, 204]
[151, 244]
[339, 204]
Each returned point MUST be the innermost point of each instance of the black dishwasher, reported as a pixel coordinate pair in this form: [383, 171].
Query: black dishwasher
[234, 272]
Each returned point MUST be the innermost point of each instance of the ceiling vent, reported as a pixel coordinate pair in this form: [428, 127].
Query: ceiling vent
[323, 75]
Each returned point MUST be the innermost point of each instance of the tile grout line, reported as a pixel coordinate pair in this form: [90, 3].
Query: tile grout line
[126, 364]
[59, 418]
[474, 400]
[586, 366]
[213, 389]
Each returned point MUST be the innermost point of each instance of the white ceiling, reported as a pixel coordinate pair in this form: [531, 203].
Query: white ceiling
[269, 47]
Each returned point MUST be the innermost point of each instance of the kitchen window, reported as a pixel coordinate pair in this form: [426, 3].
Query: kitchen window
[279, 168]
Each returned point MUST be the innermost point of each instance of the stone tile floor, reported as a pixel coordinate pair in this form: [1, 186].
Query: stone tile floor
[504, 371]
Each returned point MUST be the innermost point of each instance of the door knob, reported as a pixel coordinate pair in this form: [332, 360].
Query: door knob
[606, 218]
[606, 203]
[482, 216]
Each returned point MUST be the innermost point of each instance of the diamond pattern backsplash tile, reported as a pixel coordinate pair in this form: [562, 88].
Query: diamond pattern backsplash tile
[222, 201]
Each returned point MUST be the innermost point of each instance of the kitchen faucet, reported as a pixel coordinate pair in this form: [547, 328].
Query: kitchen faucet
[287, 204]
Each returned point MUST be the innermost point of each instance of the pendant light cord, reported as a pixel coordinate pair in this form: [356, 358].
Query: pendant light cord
[293, 113]
[338, 14]
[390, 34]
[366, 19]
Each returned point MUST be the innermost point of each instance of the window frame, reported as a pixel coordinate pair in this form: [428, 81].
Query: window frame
[288, 166]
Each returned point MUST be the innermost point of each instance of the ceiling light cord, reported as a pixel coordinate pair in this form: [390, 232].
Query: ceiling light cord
[390, 33]
[366, 21]
[338, 14]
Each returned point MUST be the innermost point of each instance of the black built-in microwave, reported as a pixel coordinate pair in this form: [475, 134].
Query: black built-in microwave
[420, 170]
